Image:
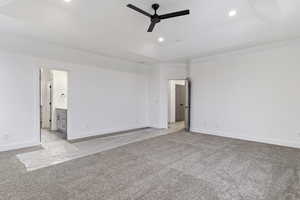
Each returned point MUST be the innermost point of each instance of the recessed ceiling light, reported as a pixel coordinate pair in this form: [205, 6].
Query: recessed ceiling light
[161, 39]
[232, 13]
[67, 1]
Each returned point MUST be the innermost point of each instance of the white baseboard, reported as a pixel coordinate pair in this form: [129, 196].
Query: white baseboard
[103, 132]
[16, 146]
[285, 143]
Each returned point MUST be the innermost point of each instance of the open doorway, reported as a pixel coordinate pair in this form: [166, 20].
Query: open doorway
[53, 105]
[179, 104]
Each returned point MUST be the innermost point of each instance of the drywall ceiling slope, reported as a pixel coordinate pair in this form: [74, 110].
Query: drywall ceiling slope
[70, 57]
[109, 27]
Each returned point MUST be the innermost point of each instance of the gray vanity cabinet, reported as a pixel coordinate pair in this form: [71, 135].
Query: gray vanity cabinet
[61, 120]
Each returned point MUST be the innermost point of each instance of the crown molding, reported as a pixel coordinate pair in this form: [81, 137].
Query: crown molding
[246, 50]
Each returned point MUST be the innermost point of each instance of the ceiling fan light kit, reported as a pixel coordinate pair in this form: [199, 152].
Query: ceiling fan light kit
[155, 18]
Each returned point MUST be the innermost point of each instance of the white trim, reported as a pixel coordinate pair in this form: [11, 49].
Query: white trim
[104, 132]
[38, 106]
[245, 50]
[285, 143]
[16, 146]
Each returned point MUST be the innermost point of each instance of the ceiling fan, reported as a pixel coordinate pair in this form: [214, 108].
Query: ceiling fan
[155, 18]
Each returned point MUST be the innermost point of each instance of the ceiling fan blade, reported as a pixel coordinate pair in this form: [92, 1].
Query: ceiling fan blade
[175, 14]
[151, 27]
[139, 10]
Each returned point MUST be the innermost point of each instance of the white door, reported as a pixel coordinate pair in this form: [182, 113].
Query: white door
[47, 106]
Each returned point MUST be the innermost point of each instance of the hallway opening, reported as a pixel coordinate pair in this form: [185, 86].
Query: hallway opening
[53, 105]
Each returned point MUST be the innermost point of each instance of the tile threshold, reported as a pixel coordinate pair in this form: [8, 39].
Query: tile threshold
[63, 151]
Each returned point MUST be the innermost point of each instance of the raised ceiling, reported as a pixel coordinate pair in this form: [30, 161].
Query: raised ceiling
[109, 27]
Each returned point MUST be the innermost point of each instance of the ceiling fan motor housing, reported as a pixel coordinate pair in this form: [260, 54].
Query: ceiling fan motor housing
[155, 7]
[155, 18]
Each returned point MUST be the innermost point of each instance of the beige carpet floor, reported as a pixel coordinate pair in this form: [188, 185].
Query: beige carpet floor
[177, 166]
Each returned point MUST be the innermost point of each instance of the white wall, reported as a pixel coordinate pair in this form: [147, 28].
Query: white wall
[159, 91]
[19, 102]
[104, 101]
[251, 95]
[101, 99]
[154, 102]
[172, 99]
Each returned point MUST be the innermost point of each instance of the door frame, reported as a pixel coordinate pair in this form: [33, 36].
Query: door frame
[180, 104]
[188, 85]
[40, 95]
[49, 85]
[188, 92]
[50, 103]
[40, 104]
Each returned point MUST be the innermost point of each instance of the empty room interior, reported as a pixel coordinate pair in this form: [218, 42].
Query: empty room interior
[150, 100]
